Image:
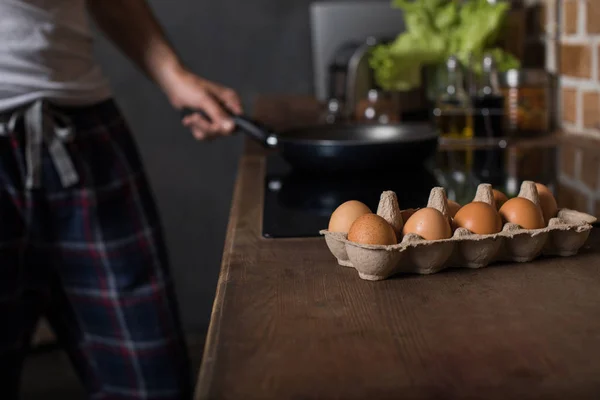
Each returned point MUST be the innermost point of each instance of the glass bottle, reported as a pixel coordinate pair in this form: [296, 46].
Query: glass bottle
[488, 103]
[527, 94]
[471, 77]
[488, 122]
[452, 110]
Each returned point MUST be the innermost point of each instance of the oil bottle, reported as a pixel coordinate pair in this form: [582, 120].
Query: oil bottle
[488, 122]
[453, 108]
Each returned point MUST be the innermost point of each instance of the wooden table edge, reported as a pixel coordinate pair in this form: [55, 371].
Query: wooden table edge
[211, 346]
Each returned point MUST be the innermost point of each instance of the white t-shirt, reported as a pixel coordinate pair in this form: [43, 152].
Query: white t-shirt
[46, 52]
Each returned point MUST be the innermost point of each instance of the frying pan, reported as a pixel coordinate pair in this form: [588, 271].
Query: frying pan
[345, 146]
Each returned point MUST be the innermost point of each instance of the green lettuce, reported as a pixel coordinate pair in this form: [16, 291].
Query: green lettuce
[436, 29]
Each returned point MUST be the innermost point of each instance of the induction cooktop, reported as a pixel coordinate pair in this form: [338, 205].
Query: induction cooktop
[299, 204]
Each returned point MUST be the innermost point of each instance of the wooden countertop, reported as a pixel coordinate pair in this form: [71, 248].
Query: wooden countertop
[289, 323]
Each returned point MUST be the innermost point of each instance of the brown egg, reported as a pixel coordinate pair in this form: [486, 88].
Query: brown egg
[522, 212]
[500, 198]
[453, 208]
[372, 229]
[428, 223]
[479, 217]
[344, 216]
[547, 202]
[406, 214]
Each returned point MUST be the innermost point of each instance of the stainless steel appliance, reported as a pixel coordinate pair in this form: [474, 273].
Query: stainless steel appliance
[349, 75]
[340, 33]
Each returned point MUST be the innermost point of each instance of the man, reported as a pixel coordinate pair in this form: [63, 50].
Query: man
[80, 238]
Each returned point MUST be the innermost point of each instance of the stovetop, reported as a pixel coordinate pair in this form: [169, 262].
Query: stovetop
[299, 204]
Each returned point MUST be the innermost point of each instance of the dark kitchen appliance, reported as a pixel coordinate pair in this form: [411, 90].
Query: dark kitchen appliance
[299, 204]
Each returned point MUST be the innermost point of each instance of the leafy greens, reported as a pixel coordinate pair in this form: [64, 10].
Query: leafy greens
[436, 29]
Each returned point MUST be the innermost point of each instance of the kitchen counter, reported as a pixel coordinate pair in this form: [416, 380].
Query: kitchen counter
[289, 323]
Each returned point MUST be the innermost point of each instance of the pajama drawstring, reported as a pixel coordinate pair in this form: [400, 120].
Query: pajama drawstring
[44, 125]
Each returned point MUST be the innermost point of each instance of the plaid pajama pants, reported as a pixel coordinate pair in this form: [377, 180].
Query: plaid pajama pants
[91, 258]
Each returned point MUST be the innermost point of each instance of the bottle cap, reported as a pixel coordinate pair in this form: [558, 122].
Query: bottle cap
[373, 95]
[452, 63]
[333, 105]
[488, 62]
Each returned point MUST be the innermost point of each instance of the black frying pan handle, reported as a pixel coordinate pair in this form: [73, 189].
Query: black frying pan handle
[252, 128]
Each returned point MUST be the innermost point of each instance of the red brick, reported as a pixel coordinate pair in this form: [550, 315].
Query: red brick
[576, 60]
[593, 16]
[570, 16]
[598, 60]
[591, 110]
[569, 105]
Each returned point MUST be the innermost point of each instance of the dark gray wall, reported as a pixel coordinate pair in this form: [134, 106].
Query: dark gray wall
[253, 46]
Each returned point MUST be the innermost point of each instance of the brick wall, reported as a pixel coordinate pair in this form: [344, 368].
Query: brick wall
[573, 51]
[578, 66]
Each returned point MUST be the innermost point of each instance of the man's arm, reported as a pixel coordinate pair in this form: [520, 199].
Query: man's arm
[131, 26]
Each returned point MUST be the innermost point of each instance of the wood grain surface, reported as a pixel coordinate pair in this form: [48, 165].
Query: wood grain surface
[289, 323]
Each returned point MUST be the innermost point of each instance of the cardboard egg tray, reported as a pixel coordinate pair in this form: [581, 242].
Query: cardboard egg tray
[564, 236]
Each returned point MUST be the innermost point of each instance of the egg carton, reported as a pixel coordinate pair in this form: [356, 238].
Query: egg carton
[563, 236]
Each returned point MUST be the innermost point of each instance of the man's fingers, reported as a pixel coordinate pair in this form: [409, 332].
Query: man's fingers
[230, 99]
[220, 121]
[217, 104]
[198, 134]
[198, 125]
[196, 121]
[227, 96]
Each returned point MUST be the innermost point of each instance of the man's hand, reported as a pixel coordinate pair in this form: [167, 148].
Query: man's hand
[187, 90]
[143, 41]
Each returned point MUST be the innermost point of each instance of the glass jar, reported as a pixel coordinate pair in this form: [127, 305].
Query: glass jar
[527, 102]
[453, 109]
[378, 107]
